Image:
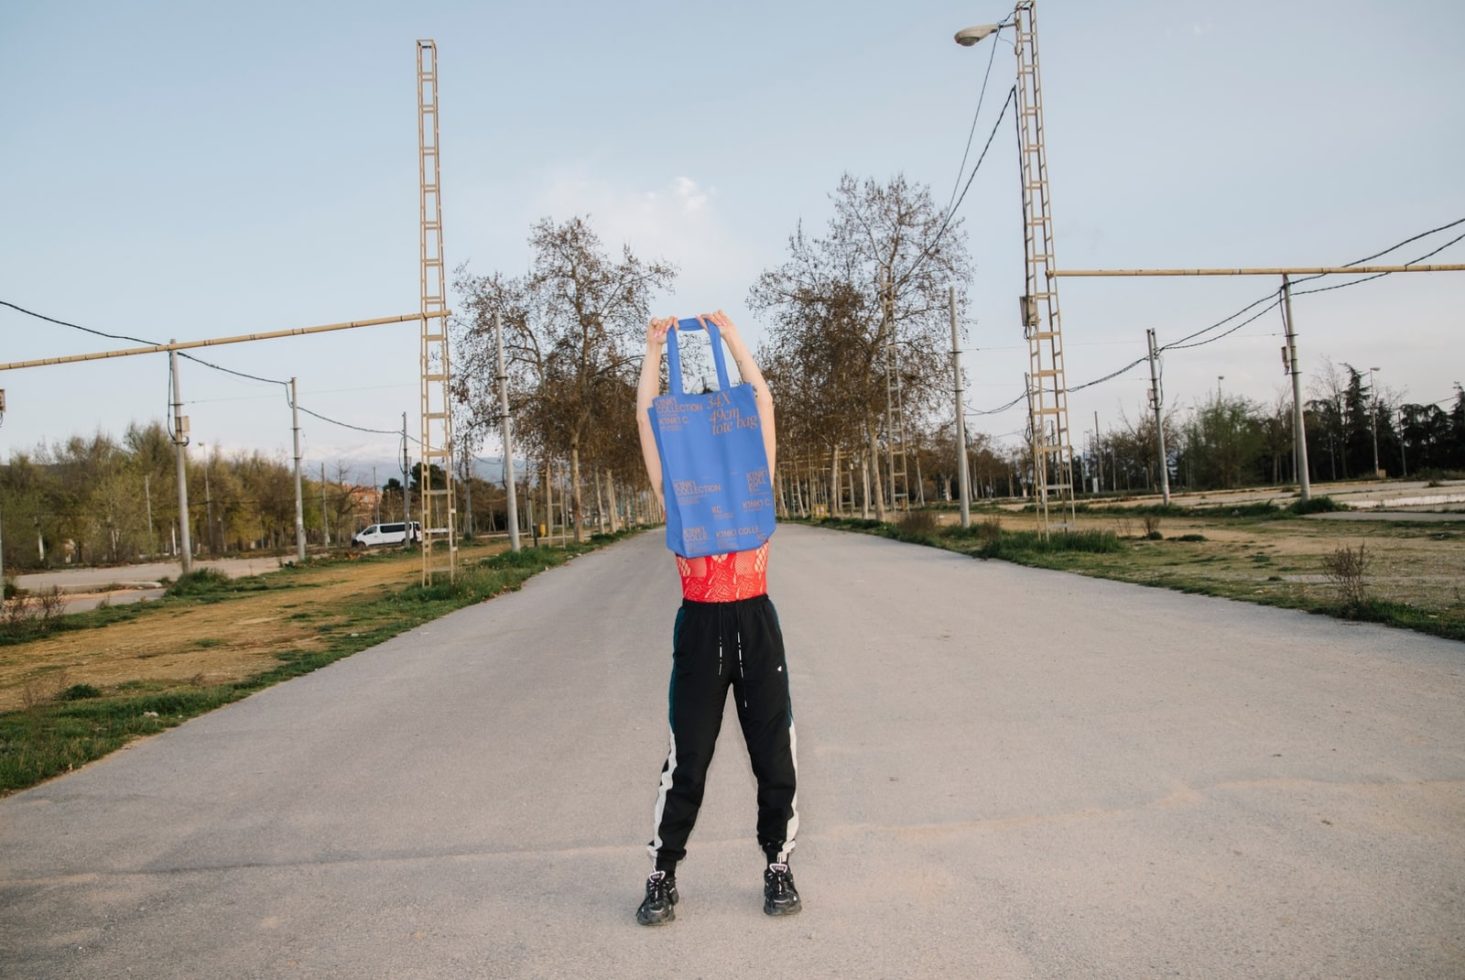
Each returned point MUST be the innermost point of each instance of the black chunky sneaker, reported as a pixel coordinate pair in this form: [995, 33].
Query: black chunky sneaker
[661, 895]
[780, 897]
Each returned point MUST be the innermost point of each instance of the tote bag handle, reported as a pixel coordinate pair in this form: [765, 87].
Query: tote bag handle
[674, 357]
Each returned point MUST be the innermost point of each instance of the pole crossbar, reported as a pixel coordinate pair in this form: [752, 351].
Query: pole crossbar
[1308, 270]
[219, 341]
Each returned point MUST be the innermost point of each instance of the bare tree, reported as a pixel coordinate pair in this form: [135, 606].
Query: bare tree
[842, 304]
[571, 326]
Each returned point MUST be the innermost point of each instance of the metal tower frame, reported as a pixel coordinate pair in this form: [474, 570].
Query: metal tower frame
[895, 431]
[1047, 385]
[439, 504]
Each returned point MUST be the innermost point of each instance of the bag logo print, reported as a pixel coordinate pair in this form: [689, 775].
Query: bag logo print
[715, 475]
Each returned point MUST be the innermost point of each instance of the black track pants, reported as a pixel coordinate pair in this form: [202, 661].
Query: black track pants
[717, 645]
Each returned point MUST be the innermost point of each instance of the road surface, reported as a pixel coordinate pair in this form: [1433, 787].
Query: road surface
[1004, 772]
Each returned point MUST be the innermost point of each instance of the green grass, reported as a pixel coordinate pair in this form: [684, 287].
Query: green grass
[84, 723]
[1254, 509]
[981, 540]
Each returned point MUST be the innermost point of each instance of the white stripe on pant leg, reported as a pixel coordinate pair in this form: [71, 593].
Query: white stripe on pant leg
[666, 774]
[793, 822]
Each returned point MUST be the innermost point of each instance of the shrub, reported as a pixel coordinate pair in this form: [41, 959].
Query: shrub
[537, 558]
[203, 581]
[26, 615]
[1348, 570]
[52, 603]
[918, 525]
[1317, 505]
[983, 532]
[1026, 543]
[853, 523]
[79, 692]
[1152, 526]
[10, 588]
[1191, 537]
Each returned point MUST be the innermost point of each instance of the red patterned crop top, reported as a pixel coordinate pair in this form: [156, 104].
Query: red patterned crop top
[725, 578]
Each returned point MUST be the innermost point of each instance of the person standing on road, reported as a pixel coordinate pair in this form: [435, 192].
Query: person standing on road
[726, 635]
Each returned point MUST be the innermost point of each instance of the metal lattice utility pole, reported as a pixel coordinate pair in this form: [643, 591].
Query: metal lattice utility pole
[508, 437]
[299, 503]
[439, 503]
[961, 471]
[895, 434]
[180, 443]
[1157, 402]
[1042, 322]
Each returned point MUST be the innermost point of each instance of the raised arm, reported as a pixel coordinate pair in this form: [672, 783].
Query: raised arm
[748, 368]
[646, 392]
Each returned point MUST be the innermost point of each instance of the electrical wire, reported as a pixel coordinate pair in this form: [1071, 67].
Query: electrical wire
[1111, 375]
[74, 326]
[951, 212]
[241, 374]
[1396, 246]
[966, 151]
[994, 411]
[1272, 300]
[1376, 275]
[348, 425]
[1367, 258]
[168, 413]
[1277, 301]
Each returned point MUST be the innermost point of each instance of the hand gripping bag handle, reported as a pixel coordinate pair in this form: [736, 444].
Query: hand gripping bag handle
[674, 357]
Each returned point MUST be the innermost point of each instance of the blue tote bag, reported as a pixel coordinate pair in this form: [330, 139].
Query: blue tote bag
[714, 468]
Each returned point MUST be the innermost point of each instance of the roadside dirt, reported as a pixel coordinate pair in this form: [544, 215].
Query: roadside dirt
[1416, 563]
[204, 643]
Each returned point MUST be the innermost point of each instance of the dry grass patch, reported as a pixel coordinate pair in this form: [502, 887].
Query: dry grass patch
[203, 641]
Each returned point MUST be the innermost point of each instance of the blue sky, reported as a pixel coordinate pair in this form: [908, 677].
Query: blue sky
[194, 170]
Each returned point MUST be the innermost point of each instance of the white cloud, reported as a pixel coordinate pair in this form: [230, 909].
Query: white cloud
[664, 219]
[678, 220]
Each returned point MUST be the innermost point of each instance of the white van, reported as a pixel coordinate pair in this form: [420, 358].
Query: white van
[387, 534]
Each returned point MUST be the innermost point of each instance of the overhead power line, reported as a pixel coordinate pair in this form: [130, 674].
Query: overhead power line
[951, 211]
[198, 360]
[1271, 300]
[976, 114]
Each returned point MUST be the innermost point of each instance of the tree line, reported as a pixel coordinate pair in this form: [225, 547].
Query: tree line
[1227, 441]
[103, 500]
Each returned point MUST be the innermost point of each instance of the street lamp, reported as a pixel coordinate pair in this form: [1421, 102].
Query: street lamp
[1373, 418]
[1047, 385]
[1219, 379]
[968, 36]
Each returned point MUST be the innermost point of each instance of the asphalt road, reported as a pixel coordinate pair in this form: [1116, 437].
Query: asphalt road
[1004, 772]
